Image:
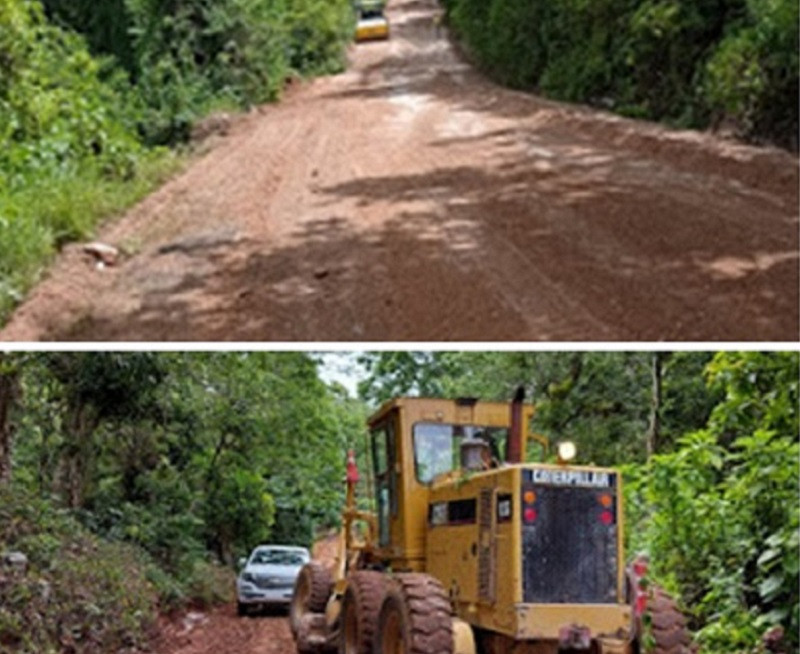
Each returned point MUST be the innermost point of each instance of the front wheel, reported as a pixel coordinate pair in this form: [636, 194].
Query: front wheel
[360, 609]
[415, 617]
[241, 609]
[311, 592]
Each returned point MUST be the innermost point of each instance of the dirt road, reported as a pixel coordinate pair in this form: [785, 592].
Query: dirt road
[411, 199]
[221, 630]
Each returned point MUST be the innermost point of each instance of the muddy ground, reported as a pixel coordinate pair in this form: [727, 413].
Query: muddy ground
[221, 630]
[411, 199]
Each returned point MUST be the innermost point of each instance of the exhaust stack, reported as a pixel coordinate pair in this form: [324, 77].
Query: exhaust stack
[514, 452]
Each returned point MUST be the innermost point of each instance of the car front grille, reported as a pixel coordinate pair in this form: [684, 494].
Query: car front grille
[271, 581]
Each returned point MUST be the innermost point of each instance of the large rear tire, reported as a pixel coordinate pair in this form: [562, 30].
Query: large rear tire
[415, 617]
[667, 625]
[311, 592]
[360, 610]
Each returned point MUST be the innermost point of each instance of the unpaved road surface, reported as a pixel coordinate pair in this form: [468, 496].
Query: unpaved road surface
[220, 631]
[412, 199]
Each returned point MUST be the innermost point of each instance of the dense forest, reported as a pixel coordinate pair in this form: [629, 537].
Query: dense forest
[731, 64]
[131, 482]
[92, 92]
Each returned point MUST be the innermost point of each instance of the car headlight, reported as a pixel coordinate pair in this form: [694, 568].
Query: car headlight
[248, 576]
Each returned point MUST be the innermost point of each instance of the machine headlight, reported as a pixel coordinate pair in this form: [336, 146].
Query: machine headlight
[566, 451]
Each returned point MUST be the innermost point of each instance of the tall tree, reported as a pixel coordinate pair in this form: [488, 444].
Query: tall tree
[654, 427]
[97, 387]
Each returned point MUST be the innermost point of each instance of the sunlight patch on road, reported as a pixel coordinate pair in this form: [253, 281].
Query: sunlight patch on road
[537, 151]
[738, 267]
[410, 105]
[296, 286]
[462, 124]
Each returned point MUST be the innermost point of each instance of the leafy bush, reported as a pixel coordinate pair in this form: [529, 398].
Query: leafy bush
[55, 112]
[719, 516]
[79, 592]
[187, 57]
[69, 151]
[751, 80]
[209, 584]
[692, 64]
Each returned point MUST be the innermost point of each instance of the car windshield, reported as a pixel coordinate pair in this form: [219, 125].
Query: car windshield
[278, 557]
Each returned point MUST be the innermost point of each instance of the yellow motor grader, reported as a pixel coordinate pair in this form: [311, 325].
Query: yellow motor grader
[472, 549]
[371, 23]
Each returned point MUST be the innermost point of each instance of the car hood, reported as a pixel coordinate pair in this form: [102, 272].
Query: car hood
[267, 570]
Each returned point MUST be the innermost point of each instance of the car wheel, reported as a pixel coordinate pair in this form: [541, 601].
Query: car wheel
[241, 609]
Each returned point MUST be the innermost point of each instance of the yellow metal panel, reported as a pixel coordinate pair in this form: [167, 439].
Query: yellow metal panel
[451, 560]
[463, 638]
[452, 553]
[542, 621]
[372, 31]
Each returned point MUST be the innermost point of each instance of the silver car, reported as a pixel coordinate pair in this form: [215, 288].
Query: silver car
[267, 576]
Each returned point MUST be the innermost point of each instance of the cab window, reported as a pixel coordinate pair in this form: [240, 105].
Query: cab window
[383, 447]
[437, 446]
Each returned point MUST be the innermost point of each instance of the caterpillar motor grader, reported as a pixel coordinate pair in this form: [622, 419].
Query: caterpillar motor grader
[469, 549]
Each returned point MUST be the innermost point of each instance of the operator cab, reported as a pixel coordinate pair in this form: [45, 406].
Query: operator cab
[418, 444]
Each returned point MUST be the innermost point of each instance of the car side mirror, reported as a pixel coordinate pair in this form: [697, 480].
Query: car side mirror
[242, 562]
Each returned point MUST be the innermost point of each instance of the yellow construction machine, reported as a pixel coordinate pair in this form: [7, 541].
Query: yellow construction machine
[471, 547]
[371, 21]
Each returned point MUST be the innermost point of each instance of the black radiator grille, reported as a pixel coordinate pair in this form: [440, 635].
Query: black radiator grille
[569, 548]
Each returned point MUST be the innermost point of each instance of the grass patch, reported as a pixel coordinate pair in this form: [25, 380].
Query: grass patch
[39, 217]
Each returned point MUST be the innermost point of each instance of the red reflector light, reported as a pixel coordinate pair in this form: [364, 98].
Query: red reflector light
[606, 518]
[530, 515]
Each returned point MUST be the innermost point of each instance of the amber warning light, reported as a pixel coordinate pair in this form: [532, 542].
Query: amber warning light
[529, 513]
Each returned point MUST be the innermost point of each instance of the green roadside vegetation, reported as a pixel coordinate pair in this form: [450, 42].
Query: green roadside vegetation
[690, 63]
[96, 96]
[136, 480]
